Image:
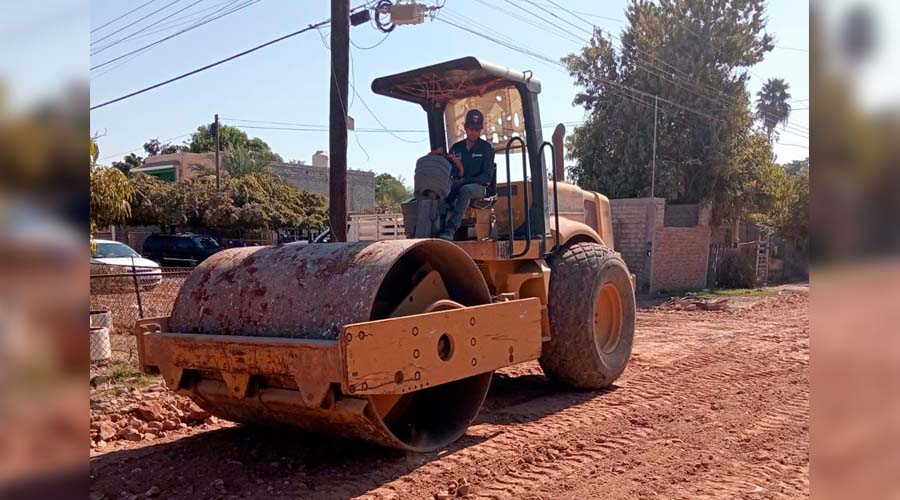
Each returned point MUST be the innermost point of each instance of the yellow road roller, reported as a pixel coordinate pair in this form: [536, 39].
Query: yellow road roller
[395, 342]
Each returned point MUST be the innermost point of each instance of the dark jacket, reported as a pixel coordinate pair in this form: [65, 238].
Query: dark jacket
[478, 162]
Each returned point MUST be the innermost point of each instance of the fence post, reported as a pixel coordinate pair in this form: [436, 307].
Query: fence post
[137, 289]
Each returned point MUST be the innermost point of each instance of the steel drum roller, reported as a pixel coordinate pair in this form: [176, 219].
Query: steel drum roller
[310, 291]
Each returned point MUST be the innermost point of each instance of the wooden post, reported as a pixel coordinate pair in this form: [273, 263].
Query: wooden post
[218, 134]
[337, 174]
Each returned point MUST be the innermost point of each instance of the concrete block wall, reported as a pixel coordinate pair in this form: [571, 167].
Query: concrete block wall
[680, 258]
[678, 255]
[634, 223]
[360, 185]
[687, 215]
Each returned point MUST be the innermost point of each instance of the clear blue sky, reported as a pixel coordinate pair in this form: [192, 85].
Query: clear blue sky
[288, 82]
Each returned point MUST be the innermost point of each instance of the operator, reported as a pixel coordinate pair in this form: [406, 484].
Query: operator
[477, 158]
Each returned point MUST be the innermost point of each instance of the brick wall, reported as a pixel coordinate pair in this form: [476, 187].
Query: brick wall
[680, 258]
[634, 222]
[679, 254]
[360, 185]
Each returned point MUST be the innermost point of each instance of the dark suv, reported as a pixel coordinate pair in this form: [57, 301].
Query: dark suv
[183, 249]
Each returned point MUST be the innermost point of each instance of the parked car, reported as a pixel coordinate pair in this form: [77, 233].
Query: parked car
[183, 249]
[124, 260]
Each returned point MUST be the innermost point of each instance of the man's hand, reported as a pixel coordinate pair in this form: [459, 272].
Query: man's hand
[458, 164]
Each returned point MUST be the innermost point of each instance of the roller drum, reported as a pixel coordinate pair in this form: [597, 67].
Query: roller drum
[311, 291]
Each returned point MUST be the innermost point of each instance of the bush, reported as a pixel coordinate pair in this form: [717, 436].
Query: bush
[736, 271]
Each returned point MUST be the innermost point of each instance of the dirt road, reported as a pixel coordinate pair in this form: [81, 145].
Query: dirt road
[713, 405]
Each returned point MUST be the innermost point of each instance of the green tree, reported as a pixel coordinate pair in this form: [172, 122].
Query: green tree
[711, 43]
[390, 192]
[797, 166]
[110, 193]
[153, 147]
[158, 203]
[772, 106]
[128, 162]
[241, 161]
[231, 137]
[251, 201]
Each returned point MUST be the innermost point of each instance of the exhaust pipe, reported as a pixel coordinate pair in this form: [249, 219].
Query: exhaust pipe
[558, 133]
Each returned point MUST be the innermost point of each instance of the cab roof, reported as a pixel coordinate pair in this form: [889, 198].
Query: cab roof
[451, 80]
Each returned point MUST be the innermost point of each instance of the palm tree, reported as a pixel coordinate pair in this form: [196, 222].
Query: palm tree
[772, 105]
[241, 161]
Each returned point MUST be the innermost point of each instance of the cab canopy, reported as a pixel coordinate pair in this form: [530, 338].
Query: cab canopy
[507, 97]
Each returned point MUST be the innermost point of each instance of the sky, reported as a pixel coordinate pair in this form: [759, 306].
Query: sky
[288, 82]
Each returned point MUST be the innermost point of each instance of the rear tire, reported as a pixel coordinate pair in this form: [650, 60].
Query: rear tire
[592, 312]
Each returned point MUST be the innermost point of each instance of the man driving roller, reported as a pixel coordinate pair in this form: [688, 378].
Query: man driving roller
[477, 158]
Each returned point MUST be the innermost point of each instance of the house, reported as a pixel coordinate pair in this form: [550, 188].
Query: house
[182, 166]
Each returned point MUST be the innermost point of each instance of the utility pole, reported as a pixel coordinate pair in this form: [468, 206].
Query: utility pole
[653, 170]
[217, 150]
[337, 174]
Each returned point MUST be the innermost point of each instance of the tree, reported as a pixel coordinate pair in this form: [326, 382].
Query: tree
[772, 106]
[231, 137]
[110, 193]
[711, 43]
[128, 162]
[241, 161]
[158, 203]
[797, 166]
[390, 192]
[153, 147]
[251, 201]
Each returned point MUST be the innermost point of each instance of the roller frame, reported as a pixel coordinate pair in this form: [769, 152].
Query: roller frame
[493, 335]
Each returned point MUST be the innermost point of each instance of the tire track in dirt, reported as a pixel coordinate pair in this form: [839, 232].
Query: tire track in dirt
[643, 393]
[647, 398]
[712, 406]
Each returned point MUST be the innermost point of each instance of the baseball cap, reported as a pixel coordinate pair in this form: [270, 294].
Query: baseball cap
[474, 119]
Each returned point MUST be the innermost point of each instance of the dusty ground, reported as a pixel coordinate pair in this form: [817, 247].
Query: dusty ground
[713, 405]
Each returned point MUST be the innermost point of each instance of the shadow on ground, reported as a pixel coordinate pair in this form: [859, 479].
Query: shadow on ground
[254, 462]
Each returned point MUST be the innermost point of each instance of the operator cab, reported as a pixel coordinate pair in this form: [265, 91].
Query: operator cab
[508, 100]
[522, 215]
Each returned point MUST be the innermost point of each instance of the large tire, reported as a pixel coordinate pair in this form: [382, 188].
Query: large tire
[592, 311]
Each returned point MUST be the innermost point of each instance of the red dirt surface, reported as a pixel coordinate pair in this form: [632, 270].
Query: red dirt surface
[714, 404]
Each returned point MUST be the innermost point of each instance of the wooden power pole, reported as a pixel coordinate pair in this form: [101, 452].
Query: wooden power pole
[218, 134]
[653, 168]
[337, 174]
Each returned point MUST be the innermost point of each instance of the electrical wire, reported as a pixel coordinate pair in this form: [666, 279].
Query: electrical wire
[177, 33]
[798, 130]
[139, 7]
[660, 72]
[141, 30]
[211, 65]
[386, 35]
[141, 147]
[135, 22]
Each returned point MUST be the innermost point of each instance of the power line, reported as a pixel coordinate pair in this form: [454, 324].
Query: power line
[117, 42]
[166, 6]
[139, 7]
[177, 33]
[646, 66]
[140, 148]
[212, 65]
[791, 48]
[549, 60]
[187, 19]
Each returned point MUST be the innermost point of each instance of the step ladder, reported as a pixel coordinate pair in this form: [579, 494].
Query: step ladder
[762, 260]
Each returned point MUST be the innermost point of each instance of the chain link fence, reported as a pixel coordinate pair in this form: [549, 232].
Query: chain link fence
[129, 295]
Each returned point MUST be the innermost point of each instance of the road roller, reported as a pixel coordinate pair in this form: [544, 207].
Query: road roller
[395, 342]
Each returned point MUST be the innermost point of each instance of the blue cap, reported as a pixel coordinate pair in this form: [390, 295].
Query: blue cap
[474, 119]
